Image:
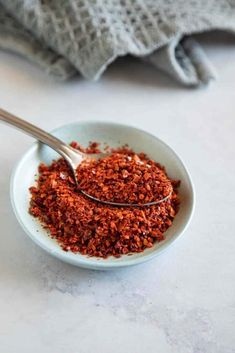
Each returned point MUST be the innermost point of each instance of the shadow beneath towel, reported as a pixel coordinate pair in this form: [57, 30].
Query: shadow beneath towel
[130, 70]
[216, 39]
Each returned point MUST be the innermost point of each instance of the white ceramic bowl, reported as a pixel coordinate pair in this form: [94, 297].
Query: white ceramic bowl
[114, 135]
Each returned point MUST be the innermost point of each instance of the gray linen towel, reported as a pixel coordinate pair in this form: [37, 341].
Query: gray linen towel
[69, 36]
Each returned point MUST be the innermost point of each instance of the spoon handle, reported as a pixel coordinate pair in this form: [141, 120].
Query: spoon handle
[41, 135]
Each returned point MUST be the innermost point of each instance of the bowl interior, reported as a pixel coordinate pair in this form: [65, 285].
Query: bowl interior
[114, 135]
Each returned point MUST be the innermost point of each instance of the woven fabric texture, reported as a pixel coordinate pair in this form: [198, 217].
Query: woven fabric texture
[69, 36]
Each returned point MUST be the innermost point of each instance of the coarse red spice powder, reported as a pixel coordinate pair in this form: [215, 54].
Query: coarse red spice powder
[124, 177]
[91, 228]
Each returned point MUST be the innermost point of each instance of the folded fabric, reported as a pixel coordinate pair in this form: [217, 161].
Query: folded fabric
[69, 36]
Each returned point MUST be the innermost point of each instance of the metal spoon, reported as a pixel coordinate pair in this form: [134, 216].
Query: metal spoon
[72, 156]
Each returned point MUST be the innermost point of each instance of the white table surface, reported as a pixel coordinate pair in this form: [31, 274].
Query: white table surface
[181, 302]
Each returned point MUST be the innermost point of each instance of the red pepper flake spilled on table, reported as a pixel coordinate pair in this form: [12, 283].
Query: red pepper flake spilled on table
[94, 229]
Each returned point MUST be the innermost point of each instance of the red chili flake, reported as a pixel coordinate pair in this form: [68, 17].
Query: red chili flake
[94, 229]
[124, 177]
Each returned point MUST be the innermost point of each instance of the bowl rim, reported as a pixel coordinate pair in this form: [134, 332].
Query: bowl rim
[93, 262]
